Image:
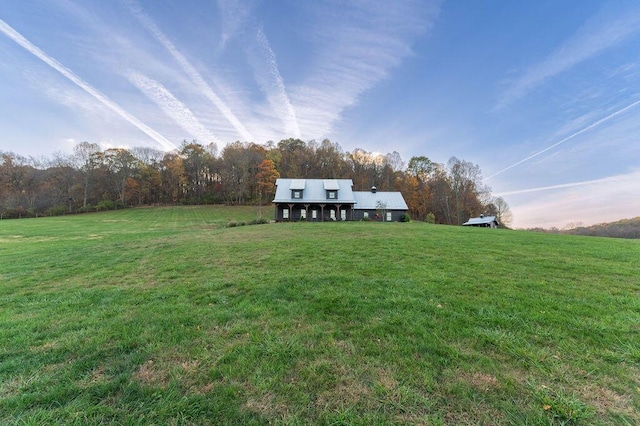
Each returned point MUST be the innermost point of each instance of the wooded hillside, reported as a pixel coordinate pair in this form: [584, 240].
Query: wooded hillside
[93, 179]
[626, 228]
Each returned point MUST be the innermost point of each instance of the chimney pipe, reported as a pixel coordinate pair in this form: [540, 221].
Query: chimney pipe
[373, 189]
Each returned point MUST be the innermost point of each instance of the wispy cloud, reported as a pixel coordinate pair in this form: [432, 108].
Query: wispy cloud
[71, 76]
[265, 68]
[568, 138]
[235, 14]
[595, 201]
[172, 107]
[594, 37]
[353, 50]
[238, 19]
[190, 70]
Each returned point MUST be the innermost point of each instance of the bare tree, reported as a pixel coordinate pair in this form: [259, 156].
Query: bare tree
[64, 179]
[503, 213]
[83, 154]
[466, 182]
[121, 165]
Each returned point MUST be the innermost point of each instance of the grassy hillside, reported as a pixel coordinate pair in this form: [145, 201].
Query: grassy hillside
[164, 316]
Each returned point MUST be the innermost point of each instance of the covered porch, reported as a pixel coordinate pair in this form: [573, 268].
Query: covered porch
[313, 212]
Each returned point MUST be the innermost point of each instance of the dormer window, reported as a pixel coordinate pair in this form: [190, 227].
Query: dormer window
[296, 187]
[331, 187]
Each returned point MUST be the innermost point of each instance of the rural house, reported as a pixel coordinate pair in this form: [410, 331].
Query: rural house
[483, 221]
[334, 199]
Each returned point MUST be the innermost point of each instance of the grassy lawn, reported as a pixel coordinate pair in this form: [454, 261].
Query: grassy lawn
[166, 316]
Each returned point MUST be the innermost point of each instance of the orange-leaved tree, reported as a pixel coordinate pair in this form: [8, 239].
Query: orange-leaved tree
[266, 178]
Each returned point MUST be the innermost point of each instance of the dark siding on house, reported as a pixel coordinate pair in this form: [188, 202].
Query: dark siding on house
[396, 215]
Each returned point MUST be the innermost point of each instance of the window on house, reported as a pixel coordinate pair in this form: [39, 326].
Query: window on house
[295, 194]
[332, 195]
[343, 214]
[388, 216]
[366, 215]
[303, 214]
[332, 213]
[314, 214]
[285, 213]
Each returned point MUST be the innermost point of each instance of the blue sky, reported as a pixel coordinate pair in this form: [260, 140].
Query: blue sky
[543, 95]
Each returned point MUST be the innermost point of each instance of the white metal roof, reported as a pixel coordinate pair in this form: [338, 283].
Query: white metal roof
[331, 184]
[482, 220]
[367, 200]
[314, 191]
[297, 184]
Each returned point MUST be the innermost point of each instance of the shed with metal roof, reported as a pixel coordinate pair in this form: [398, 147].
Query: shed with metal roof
[482, 221]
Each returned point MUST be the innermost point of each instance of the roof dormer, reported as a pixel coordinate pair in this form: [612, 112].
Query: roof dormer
[297, 188]
[331, 187]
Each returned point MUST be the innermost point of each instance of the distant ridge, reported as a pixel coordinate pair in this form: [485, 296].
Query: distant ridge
[625, 228]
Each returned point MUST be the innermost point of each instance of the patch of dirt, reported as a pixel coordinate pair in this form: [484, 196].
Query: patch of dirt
[603, 399]
[606, 401]
[44, 347]
[345, 346]
[11, 239]
[482, 381]
[161, 371]
[480, 415]
[386, 379]
[97, 376]
[11, 387]
[267, 406]
[349, 391]
[412, 419]
[150, 375]
[202, 389]
[189, 366]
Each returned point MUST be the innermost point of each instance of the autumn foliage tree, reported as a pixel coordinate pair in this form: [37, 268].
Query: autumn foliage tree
[266, 180]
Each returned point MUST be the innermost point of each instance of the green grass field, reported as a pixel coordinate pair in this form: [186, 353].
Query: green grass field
[166, 316]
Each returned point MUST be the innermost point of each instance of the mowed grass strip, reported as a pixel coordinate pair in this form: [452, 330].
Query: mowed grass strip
[166, 316]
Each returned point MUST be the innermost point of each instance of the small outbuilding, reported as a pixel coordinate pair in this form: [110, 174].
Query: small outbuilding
[482, 221]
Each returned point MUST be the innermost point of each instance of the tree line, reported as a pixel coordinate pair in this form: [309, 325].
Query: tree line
[91, 179]
[625, 228]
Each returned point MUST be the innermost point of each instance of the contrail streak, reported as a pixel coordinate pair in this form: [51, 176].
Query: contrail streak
[66, 72]
[579, 132]
[172, 106]
[193, 74]
[551, 187]
[269, 78]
